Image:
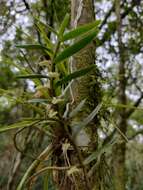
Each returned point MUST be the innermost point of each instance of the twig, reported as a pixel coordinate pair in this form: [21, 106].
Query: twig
[107, 16]
[26, 5]
[123, 15]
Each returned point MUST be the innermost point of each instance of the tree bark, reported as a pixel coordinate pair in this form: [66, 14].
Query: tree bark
[87, 87]
[119, 149]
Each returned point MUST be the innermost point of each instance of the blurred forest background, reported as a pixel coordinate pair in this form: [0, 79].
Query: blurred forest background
[115, 161]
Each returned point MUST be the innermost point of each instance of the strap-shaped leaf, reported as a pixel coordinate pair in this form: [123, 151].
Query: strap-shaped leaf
[32, 76]
[38, 100]
[26, 71]
[96, 154]
[34, 46]
[80, 30]
[102, 149]
[78, 108]
[64, 25]
[42, 28]
[76, 74]
[91, 116]
[77, 46]
[42, 25]
[18, 125]
[87, 120]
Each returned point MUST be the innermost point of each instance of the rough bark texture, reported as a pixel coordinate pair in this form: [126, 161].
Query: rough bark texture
[119, 148]
[85, 57]
[87, 87]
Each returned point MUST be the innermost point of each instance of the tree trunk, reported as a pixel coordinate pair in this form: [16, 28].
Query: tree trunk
[119, 149]
[87, 87]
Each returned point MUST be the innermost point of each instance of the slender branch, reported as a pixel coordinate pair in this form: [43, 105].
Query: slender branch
[49, 18]
[26, 5]
[107, 16]
[123, 15]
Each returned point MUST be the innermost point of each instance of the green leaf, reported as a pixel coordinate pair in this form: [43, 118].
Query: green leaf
[80, 30]
[26, 71]
[18, 125]
[38, 100]
[42, 25]
[46, 181]
[92, 157]
[77, 109]
[76, 74]
[31, 76]
[87, 120]
[99, 152]
[64, 25]
[42, 28]
[52, 29]
[34, 46]
[77, 46]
